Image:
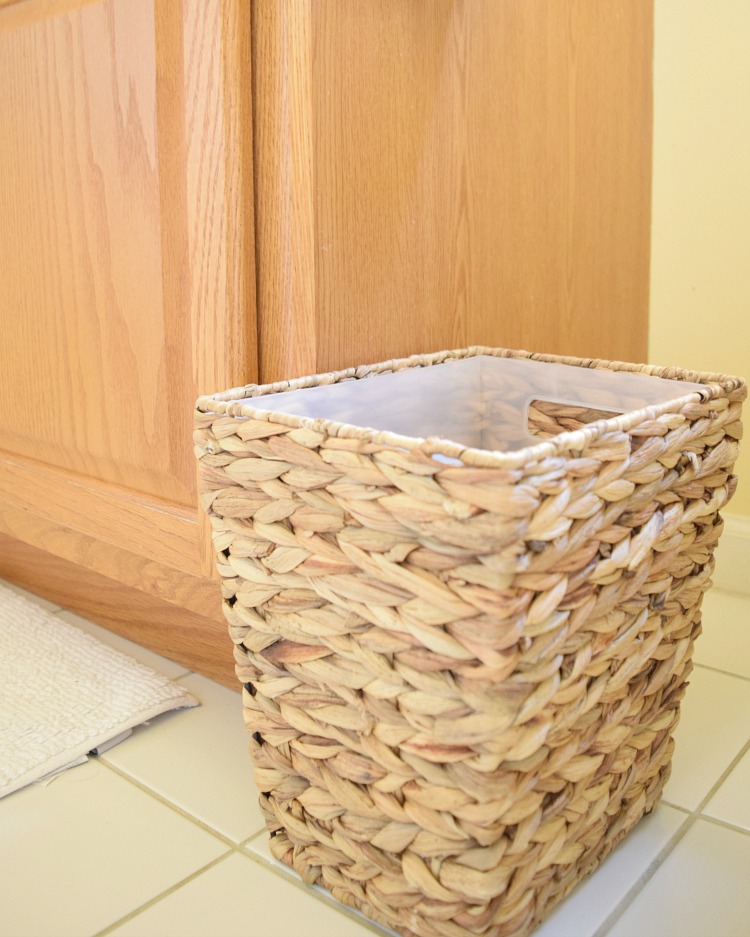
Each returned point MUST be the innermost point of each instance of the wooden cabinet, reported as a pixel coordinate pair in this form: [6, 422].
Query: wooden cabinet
[198, 193]
[126, 288]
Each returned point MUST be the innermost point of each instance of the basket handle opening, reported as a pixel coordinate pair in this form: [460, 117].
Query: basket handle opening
[546, 418]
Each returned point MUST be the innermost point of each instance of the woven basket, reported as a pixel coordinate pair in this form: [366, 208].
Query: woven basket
[462, 668]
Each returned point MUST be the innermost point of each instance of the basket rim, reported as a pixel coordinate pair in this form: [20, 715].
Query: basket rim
[716, 386]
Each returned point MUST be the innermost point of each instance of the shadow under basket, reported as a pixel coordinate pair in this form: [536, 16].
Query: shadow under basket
[463, 590]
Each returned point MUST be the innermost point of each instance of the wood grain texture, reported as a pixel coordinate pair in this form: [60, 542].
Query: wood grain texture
[151, 528]
[204, 105]
[127, 257]
[217, 173]
[480, 173]
[195, 593]
[197, 642]
[88, 345]
[24, 12]
[127, 282]
[285, 201]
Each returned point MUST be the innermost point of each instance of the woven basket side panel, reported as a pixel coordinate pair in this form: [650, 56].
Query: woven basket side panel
[462, 683]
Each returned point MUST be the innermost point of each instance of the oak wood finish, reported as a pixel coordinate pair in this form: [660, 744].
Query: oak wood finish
[285, 187]
[92, 346]
[154, 529]
[198, 594]
[479, 172]
[126, 238]
[126, 289]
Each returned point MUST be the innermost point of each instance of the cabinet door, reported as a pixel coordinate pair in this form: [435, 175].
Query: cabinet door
[437, 173]
[126, 289]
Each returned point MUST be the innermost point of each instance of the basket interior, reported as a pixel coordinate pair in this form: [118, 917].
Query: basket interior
[483, 402]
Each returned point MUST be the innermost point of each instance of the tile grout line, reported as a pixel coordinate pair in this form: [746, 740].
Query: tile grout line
[725, 824]
[693, 816]
[164, 801]
[624, 903]
[668, 803]
[722, 778]
[251, 839]
[163, 894]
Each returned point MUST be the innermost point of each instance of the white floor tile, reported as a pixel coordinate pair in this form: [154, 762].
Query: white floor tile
[239, 898]
[160, 664]
[586, 909]
[199, 761]
[713, 729]
[78, 854]
[701, 890]
[732, 800]
[725, 642]
[45, 603]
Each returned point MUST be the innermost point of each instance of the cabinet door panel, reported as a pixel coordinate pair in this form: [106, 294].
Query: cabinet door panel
[436, 174]
[89, 343]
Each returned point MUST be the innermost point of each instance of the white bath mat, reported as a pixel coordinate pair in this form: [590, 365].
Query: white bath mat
[63, 693]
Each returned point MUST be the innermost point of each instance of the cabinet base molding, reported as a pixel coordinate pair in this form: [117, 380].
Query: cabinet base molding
[198, 642]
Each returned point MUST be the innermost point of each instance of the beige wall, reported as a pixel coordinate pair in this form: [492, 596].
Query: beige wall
[700, 260]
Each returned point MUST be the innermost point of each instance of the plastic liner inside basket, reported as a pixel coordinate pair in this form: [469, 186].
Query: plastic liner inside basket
[483, 402]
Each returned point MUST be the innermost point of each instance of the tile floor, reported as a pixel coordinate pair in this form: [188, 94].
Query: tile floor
[161, 836]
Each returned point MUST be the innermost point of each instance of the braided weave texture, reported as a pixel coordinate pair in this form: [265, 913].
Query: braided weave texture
[461, 680]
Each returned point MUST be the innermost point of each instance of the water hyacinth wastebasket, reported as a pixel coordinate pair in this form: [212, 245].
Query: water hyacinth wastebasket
[463, 590]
